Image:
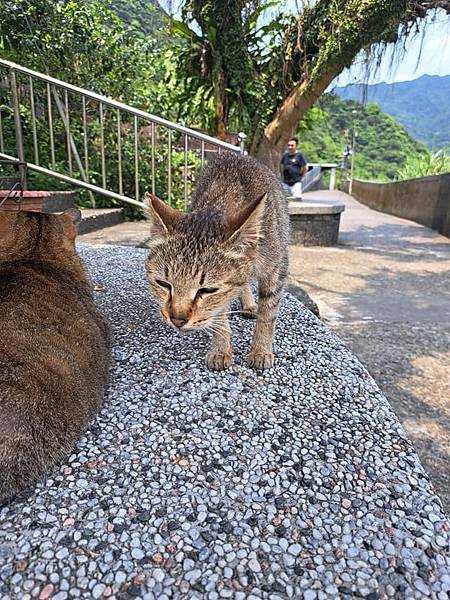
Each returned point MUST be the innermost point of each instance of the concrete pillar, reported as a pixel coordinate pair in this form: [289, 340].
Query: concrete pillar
[333, 178]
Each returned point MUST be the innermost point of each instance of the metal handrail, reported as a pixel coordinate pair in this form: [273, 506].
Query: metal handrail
[53, 86]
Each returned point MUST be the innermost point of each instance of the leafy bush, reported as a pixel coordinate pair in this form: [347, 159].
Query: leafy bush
[425, 164]
[85, 44]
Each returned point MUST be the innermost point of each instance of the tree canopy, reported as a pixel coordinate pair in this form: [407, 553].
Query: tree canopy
[226, 66]
[263, 78]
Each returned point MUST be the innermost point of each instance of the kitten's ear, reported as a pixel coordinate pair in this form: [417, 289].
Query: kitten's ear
[244, 229]
[162, 219]
[71, 218]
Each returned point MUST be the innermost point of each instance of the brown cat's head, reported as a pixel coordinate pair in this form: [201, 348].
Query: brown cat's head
[38, 236]
[198, 262]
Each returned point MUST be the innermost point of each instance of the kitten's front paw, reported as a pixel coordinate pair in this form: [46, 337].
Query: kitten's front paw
[260, 360]
[218, 361]
[250, 312]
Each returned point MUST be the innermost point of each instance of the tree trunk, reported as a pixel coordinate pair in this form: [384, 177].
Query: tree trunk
[221, 106]
[277, 133]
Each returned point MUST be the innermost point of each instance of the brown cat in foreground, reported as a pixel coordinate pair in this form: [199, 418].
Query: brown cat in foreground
[237, 229]
[54, 345]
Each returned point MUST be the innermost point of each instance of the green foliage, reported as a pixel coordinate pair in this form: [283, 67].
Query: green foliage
[214, 65]
[145, 17]
[158, 156]
[252, 69]
[227, 66]
[84, 43]
[78, 41]
[382, 145]
[425, 164]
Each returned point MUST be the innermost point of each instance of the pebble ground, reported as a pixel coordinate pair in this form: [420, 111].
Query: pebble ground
[297, 482]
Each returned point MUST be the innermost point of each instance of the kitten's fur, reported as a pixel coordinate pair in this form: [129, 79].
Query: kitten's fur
[55, 346]
[237, 229]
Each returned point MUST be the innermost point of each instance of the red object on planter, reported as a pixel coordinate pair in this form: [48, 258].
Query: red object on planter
[31, 200]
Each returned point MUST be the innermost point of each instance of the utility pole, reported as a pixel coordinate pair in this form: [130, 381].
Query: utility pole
[355, 135]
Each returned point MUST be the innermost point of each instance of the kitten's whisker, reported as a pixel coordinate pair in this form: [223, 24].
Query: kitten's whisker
[233, 312]
[217, 328]
[218, 331]
[220, 325]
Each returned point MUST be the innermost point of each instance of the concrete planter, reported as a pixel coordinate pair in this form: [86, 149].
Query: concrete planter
[38, 201]
[315, 223]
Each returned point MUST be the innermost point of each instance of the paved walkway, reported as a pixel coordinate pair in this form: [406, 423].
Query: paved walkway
[385, 289]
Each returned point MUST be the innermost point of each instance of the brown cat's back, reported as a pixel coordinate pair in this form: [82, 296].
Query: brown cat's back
[55, 348]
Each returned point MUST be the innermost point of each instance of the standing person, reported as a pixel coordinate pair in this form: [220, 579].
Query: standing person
[293, 167]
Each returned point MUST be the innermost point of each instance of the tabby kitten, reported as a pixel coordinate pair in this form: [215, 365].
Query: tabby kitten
[55, 345]
[237, 229]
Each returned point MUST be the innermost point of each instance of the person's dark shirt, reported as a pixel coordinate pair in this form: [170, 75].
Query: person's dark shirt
[292, 167]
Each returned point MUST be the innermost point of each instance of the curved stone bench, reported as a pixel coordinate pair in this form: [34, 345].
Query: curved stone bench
[315, 222]
[297, 482]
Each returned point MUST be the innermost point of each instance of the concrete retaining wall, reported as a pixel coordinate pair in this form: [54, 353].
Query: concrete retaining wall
[425, 200]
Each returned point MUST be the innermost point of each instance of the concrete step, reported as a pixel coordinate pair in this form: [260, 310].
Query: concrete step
[129, 233]
[99, 218]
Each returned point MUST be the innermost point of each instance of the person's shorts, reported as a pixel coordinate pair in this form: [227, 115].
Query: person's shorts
[294, 190]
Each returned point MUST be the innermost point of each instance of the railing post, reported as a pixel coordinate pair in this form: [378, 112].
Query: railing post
[18, 128]
[333, 178]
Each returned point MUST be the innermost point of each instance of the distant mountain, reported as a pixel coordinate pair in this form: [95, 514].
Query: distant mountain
[422, 106]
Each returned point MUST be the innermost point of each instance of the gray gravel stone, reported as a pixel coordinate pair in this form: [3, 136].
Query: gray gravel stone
[295, 482]
[98, 590]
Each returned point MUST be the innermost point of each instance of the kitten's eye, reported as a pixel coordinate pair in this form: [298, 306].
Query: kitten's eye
[163, 284]
[206, 291]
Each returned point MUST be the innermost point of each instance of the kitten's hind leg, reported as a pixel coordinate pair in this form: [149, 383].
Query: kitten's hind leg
[270, 290]
[221, 353]
[249, 306]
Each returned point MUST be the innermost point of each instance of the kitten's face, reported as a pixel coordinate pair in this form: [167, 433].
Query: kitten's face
[32, 235]
[197, 265]
[193, 287]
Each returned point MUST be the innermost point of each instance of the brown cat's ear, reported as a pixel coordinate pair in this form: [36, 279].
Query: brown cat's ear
[162, 219]
[71, 218]
[244, 229]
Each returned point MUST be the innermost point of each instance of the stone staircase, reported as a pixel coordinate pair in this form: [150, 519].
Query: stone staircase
[99, 218]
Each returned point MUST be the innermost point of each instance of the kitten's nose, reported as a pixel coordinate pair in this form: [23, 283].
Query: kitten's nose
[178, 319]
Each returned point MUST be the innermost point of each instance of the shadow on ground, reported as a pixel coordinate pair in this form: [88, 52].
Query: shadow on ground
[398, 324]
[397, 242]
[385, 290]
[413, 374]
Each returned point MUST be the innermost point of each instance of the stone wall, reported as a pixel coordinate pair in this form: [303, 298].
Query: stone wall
[425, 200]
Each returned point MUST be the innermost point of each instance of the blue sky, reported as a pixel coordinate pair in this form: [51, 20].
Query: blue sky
[427, 52]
